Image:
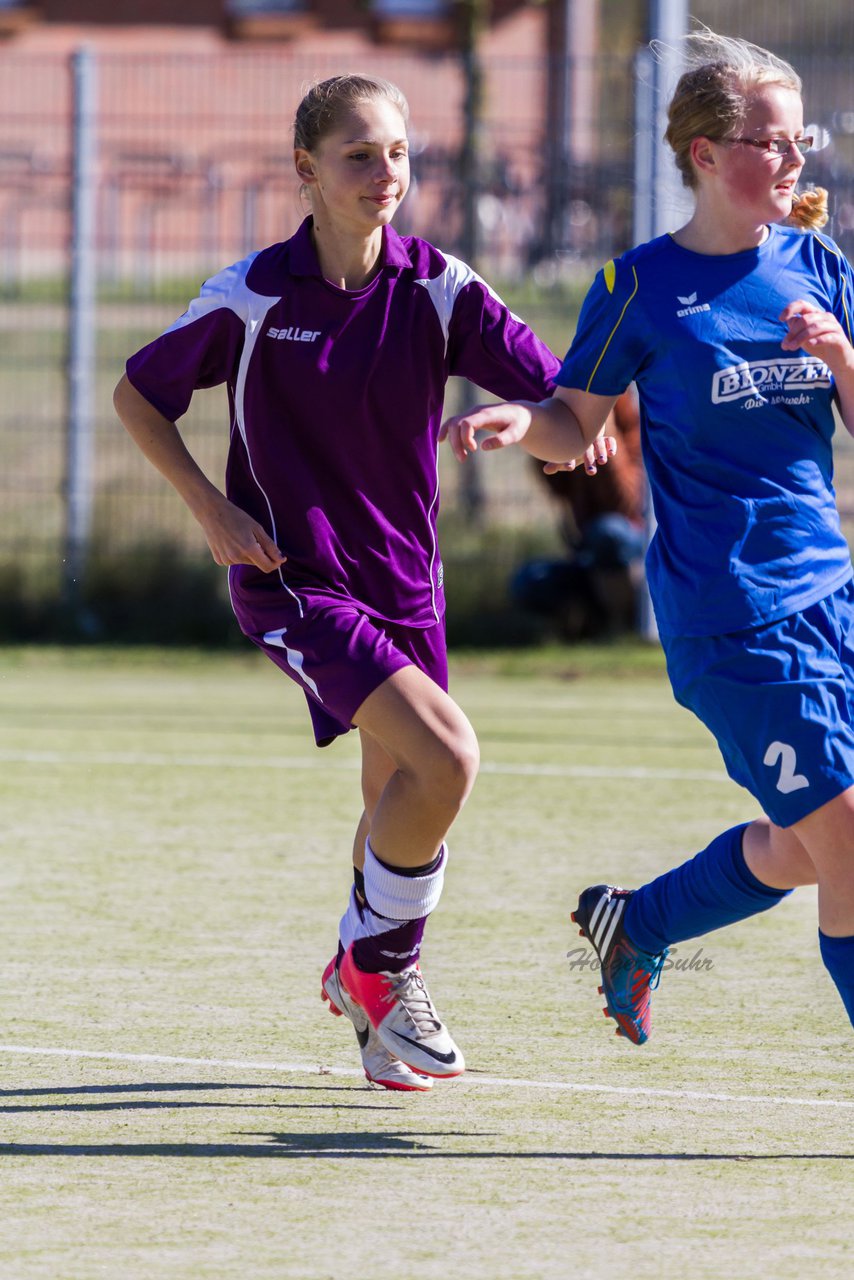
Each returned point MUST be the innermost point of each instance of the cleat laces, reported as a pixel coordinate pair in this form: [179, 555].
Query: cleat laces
[657, 967]
[409, 991]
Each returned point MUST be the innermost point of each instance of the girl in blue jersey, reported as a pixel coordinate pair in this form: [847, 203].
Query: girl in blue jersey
[335, 347]
[737, 331]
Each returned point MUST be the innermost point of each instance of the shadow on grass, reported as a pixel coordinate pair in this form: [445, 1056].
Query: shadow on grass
[339, 1145]
[378, 1146]
[175, 1104]
[178, 1086]
[141, 1104]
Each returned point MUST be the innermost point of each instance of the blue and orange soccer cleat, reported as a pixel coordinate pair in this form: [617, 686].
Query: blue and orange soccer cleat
[628, 974]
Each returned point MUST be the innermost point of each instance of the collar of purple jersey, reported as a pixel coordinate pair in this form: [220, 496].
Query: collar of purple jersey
[303, 257]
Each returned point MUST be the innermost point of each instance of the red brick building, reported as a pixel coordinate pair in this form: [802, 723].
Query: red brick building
[513, 26]
[195, 101]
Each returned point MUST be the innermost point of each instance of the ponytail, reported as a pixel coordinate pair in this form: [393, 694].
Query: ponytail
[809, 210]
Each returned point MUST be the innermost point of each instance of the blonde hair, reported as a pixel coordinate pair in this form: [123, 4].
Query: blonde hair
[711, 100]
[809, 210]
[326, 102]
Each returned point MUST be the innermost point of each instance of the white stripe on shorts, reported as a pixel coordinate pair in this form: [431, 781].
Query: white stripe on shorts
[275, 639]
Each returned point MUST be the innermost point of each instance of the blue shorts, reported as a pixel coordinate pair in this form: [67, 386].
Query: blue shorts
[780, 701]
[338, 656]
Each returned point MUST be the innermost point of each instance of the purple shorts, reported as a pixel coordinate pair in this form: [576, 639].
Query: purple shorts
[338, 656]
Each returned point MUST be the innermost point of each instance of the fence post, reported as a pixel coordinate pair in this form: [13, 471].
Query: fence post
[474, 17]
[81, 334]
[657, 185]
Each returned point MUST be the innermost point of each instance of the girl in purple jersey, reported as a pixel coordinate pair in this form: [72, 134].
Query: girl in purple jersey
[743, 379]
[335, 347]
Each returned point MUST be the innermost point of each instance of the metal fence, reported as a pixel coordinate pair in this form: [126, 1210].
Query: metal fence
[191, 156]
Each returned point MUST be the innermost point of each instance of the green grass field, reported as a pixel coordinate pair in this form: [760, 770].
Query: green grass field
[177, 1102]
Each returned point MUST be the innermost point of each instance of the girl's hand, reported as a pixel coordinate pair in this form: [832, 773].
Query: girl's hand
[595, 456]
[510, 422]
[819, 333]
[235, 538]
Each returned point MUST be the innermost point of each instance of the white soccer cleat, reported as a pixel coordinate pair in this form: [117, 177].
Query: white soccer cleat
[381, 1066]
[400, 1011]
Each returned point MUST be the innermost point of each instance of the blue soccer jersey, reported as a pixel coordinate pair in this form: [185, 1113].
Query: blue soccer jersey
[736, 432]
[336, 401]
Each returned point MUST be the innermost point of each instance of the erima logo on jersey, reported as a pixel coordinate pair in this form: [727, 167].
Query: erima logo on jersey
[689, 305]
[758, 377]
[293, 333]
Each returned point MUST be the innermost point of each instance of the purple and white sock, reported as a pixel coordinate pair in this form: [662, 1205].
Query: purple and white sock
[386, 932]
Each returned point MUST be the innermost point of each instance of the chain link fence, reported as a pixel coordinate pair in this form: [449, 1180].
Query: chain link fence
[192, 164]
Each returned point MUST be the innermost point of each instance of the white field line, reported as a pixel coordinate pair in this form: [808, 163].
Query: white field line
[156, 759]
[497, 1082]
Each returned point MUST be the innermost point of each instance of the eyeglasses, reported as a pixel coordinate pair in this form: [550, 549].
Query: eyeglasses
[778, 146]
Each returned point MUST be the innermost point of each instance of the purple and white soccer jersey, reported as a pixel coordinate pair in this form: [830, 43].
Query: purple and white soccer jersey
[336, 399]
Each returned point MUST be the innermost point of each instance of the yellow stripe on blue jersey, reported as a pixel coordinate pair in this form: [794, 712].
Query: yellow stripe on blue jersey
[831, 247]
[609, 272]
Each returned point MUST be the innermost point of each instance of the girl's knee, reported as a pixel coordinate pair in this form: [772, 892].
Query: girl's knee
[468, 759]
[455, 764]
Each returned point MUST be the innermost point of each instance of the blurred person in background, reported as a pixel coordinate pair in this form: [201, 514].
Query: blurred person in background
[593, 591]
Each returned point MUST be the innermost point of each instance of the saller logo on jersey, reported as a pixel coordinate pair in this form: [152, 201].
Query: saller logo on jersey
[293, 333]
[758, 377]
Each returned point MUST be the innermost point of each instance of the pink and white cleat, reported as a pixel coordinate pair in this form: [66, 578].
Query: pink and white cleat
[381, 1067]
[400, 1011]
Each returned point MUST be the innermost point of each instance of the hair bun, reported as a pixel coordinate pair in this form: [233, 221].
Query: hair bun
[809, 210]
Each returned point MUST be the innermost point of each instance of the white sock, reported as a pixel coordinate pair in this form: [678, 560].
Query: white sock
[400, 897]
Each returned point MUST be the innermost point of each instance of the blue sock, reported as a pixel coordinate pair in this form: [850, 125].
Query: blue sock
[838, 957]
[711, 890]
